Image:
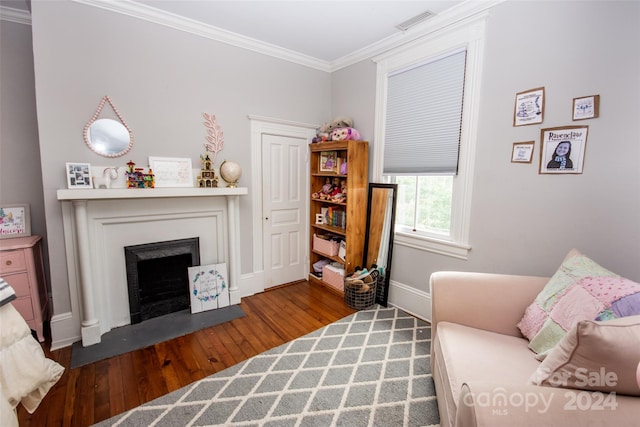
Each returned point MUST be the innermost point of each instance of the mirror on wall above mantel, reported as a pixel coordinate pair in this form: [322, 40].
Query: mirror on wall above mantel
[108, 137]
[378, 241]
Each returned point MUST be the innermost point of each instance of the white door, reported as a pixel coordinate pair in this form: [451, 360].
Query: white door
[284, 203]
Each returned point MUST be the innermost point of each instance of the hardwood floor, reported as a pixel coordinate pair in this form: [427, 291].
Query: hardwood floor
[95, 392]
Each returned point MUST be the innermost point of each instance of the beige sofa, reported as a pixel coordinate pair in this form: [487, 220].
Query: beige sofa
[482, 366]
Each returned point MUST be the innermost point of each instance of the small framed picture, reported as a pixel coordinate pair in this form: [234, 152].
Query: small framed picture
[586, 107]
[562, 149]
[208, 287]
[529, 107]
[522, 152]
[15, 221]
[328, 161]
[79, 175]
[171, 171]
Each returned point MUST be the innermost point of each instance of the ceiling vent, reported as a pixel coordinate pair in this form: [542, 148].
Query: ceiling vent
[404, 26]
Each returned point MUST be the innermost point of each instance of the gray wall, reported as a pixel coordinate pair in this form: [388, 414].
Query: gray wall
[20, 175]
[523, 222]
[161, 80]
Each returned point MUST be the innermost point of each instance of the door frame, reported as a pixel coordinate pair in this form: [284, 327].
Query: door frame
[261, 125]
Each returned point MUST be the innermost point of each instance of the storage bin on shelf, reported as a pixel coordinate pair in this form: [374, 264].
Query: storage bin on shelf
[360, 290]
[328, 247]
[333, 276]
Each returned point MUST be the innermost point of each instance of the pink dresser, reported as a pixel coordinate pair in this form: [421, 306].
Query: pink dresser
[21, 266]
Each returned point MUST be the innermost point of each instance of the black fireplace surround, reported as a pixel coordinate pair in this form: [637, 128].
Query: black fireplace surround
[157, 277]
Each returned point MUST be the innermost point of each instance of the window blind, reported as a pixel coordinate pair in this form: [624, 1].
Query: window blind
[423, 117]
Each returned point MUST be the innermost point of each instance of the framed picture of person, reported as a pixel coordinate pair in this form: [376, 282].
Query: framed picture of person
[562, 149]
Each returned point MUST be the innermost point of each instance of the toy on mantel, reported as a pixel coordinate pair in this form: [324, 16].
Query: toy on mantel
[207, 177]
[136, 178]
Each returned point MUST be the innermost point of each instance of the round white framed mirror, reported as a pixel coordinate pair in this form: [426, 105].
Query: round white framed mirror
[108, 137]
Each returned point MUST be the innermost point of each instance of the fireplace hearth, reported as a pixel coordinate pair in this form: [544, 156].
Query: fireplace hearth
[157, 277]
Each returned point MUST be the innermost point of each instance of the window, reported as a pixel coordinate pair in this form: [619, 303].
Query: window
[426, 115]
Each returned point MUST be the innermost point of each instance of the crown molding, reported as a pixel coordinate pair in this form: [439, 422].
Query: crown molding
[157, 16]
[449, 17]
[151, 14]
[15, 15]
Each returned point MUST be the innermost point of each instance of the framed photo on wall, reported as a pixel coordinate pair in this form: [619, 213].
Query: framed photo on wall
[79, 175]
[529, 107]
[522, 152]
[15, 221]
[562, 149]
[587, 107]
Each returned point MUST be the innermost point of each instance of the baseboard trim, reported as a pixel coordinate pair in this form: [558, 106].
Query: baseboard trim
[64, 330]
[411, 300]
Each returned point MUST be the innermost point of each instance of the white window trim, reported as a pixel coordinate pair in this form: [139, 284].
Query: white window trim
[467, 34]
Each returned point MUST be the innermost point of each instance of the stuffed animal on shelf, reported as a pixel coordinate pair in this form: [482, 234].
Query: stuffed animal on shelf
[344, 134]
[324, 132]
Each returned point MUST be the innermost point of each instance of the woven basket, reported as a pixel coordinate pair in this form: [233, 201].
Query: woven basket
[359, 295]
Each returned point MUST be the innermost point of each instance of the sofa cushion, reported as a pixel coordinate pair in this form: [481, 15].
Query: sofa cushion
[463, 353]
[580, 290]
[597, 356]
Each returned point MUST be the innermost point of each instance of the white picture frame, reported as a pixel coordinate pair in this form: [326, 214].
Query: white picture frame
[15, 221]
[79, 175]
[586, 107]
[208, 287]
[171, 171]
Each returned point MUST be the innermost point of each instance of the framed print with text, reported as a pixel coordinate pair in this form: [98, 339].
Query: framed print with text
[562, 149]
[522, 152]
[171, 171]
[15, 221]
[529, 107]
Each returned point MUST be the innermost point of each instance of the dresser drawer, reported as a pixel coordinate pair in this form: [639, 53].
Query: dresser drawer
[20, 284]
[11, 261]
[24, 307]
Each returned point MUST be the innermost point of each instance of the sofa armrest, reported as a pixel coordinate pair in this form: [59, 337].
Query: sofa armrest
[500, 404]
[493, 302]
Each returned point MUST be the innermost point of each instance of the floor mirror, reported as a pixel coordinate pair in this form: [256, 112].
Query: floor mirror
[378, 241]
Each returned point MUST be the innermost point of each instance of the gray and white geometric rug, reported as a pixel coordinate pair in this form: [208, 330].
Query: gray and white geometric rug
[368, 369]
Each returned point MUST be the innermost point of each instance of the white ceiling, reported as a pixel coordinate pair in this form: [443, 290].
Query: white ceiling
[324, 30]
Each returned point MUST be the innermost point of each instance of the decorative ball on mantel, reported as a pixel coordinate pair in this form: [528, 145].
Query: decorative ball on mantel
[231, 172]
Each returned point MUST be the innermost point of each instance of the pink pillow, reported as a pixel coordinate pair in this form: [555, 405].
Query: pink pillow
[595, 356]
[579, 290]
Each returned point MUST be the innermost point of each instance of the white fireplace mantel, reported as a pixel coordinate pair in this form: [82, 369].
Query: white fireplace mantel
[80, 199]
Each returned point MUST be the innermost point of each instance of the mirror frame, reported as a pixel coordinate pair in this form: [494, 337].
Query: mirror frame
[382, 292]
[95, 117]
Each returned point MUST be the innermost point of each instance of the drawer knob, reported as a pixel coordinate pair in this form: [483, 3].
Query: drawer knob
[8, 262]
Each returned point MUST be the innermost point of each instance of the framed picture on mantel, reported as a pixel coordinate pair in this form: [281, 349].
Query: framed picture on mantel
[79, 175]
[15, 221]
[171, 171]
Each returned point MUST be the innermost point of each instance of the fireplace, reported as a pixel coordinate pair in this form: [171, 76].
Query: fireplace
[157, 277]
